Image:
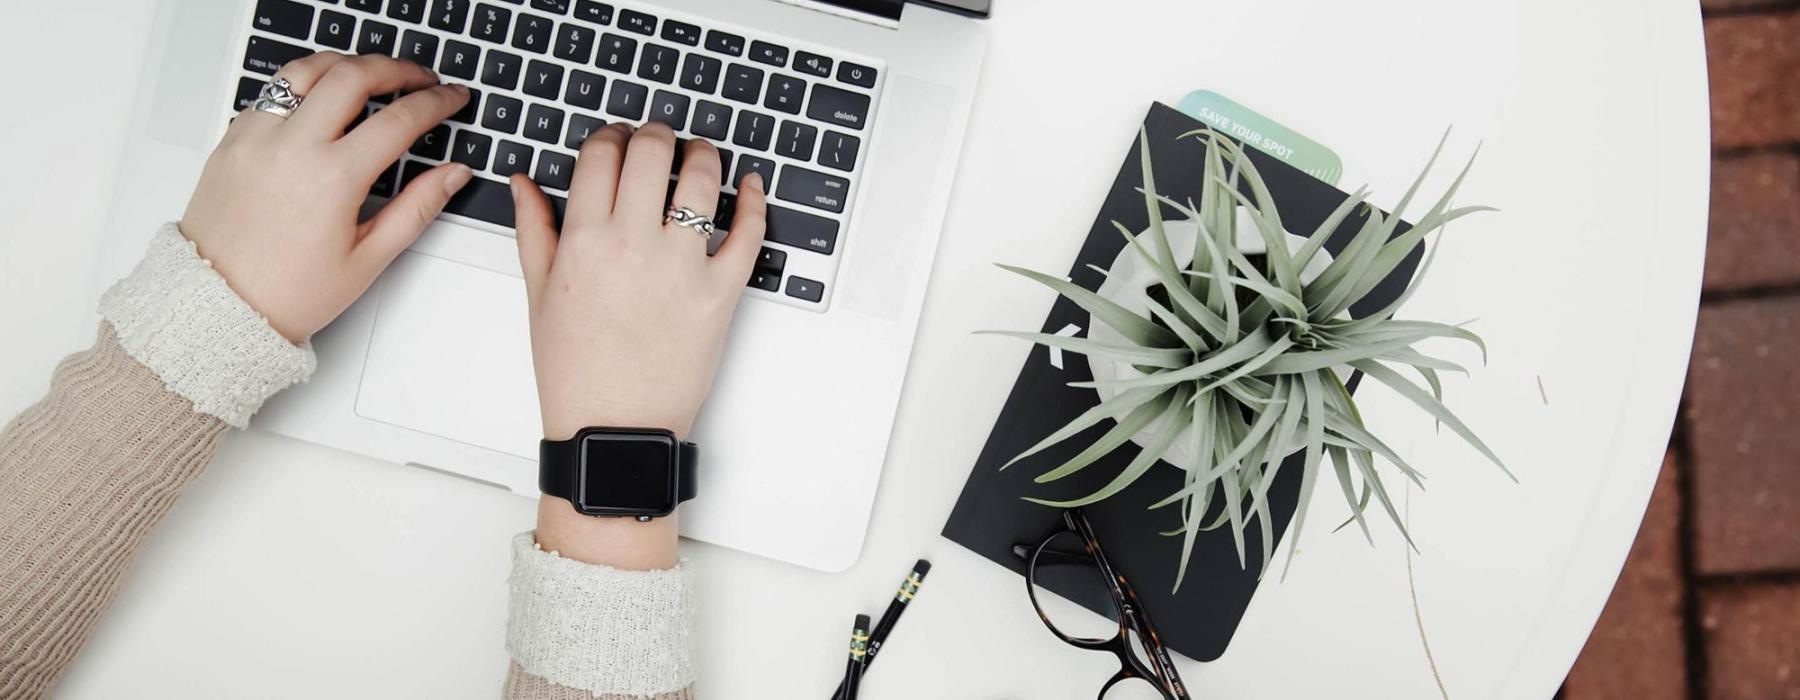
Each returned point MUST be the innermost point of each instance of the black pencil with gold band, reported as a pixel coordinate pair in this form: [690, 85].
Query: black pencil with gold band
[859, 658]
[908, 589]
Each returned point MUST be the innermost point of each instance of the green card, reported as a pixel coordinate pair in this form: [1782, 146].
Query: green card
[1264, 134]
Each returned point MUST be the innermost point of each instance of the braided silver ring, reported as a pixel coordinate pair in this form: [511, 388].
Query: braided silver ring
[683, 216]
[277, 98]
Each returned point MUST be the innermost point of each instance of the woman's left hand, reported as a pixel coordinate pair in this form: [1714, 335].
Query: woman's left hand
[276, 210]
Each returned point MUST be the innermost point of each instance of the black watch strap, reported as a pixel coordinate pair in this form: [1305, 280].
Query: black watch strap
[559, 469]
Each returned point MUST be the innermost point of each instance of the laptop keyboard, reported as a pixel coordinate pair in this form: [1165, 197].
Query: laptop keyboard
[545, 74]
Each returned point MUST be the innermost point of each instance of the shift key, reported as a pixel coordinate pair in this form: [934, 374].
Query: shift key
[813, 189]
[802, 230]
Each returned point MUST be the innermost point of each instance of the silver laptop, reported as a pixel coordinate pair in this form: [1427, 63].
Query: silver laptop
[854, 110]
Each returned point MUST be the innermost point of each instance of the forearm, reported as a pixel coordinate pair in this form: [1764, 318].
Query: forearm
[85, 476]
[87, 473]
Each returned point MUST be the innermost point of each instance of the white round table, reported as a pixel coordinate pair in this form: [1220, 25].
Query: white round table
[292, 570]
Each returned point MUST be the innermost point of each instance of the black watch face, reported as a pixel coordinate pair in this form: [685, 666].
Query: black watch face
[627, 473]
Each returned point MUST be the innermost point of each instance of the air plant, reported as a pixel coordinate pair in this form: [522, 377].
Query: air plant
[1244, 357]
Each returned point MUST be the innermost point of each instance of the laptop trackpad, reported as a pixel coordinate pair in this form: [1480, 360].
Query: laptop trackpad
[451, 356]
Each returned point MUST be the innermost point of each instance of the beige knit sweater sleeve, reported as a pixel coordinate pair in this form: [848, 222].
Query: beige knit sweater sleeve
[88, 472]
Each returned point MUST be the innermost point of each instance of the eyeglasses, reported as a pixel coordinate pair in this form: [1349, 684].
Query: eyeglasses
[1070, 562]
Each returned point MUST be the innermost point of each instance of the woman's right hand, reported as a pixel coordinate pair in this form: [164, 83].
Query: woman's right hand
[628, 313]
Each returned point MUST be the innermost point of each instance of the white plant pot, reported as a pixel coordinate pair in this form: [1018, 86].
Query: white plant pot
[1129, 276]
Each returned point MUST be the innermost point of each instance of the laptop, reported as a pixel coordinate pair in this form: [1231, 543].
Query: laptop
[853, 110]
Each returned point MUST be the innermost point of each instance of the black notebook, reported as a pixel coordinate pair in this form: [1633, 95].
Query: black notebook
[990, 517]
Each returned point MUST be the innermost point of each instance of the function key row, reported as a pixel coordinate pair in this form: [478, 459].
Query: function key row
[571, 41]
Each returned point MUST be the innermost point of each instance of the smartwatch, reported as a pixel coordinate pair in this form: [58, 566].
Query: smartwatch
[638, 473]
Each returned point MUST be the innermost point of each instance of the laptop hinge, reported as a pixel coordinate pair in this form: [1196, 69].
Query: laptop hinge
[881, 13]
[886, 13]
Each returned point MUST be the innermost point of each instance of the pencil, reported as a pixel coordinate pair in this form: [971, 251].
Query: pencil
[908, 589]
[859, 649]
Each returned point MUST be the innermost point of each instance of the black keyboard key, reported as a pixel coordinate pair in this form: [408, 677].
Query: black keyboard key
[471, 149]
[560, 7]
[754, 131]
[727, 209]
[419, 47]
[407, 10]
[284, 17]
[433, 144]
[377, 38]
[532, 33]
[659, 64]
[803, 288]
[785, 93]
[502, 113]
[670, 108]
[752, 164]
[725, 43]
[554, 170]
[449, 15]
[711, 120]
[627, 100]
[813, 189]
[459, 60]
[838, 106]
[681, 33]
[364, 5]
[543, 124]
[771, 259]
[384, 185]
[491, 23]
[336, 30]
[584, 90]
[700, 73]
[766, 280]
[574, 42]
[581, 126]
[266, 56]
[596, 12]
[634, 21]
[812, 64]
[486, 200]
[616, 53]
[248, 90]
[501, 69]
[724, 167]
[743, 83]
[796, 140]
[510, 157]
[802, 230]
[858, 75]
[543, 79]
[681, 146]
[765, 52]
[838, 151]
[467, 114]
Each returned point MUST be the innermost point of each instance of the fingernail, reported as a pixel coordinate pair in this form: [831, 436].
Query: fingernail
[457, 177]
[754, 180]
[513, 186]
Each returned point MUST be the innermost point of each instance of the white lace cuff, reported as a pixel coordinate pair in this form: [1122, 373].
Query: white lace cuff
[178, 317]
[597, 628]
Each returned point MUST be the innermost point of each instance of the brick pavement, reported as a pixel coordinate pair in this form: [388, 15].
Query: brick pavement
[1708, 605]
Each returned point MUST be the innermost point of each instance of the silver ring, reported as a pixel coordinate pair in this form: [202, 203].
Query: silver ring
[683, 216]
[277, 98]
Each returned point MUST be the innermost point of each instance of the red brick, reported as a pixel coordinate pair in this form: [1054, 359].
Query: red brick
[1754, 237]
[1637, 649]
[1752, 641]
[1741, 414]
[1739, 5]
[1754, 64]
